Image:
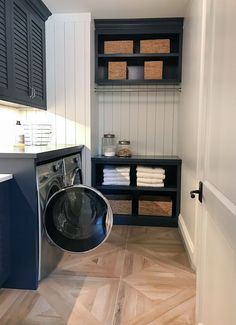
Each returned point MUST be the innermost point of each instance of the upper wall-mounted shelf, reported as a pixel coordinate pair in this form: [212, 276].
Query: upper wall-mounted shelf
[136, 30]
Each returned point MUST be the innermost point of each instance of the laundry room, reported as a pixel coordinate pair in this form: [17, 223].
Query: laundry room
[117, 162]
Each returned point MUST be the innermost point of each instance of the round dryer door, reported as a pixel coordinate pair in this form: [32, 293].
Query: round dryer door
[78, 218]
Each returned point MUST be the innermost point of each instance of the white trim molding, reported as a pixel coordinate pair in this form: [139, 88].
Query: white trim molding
[187, 240]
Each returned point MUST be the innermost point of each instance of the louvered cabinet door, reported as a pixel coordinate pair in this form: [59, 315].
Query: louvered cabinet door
[37, 66]
[21, 53]
[4, 51]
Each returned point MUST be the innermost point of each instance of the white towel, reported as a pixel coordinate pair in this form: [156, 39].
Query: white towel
[115, 173]
[116, 183]
[118, 168]
[151, 170]
[116, 178]
[141, 175]
[150, 180]
[150, 184]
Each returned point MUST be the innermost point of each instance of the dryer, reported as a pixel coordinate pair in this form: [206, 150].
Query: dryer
[72, 217]
[73, 170]
[50, 179]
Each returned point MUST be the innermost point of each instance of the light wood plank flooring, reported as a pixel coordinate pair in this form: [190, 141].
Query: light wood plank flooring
[140, 276]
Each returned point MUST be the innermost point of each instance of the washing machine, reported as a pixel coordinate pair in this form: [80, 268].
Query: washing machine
[72, 217]
[73, 170]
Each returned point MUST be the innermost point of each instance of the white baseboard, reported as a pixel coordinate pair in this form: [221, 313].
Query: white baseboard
[187, 240]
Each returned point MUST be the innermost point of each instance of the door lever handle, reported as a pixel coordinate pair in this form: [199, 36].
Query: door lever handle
[198, 192]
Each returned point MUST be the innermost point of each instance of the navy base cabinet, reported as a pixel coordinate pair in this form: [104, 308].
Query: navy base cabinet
[139, 205]
[4, 232]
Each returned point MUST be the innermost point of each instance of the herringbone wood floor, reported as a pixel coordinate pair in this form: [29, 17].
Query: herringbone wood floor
[141, 275]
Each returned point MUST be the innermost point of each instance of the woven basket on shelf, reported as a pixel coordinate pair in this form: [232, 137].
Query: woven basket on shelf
[119, 47]
[153, 70]
[117, 70]
[155, 46]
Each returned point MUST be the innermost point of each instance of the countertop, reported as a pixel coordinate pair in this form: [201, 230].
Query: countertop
[5, 177]
[39, 153]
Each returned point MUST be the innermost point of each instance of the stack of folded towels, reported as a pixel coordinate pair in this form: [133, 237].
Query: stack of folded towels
[116, 175]
[150, 176]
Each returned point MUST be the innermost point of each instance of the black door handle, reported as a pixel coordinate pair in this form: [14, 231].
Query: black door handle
[198, 192]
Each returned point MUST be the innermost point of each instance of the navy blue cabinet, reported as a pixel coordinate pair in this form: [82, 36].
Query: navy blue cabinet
[4, 232]
[22, 52]
[142, 205]
[138, 30]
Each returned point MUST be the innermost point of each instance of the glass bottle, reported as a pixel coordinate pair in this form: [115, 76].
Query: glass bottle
[109, 145]
[124, 149]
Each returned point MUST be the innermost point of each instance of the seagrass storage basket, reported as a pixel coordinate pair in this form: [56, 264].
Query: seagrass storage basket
[155, 46]
[153, 70]
[118, 47]
[117, 70]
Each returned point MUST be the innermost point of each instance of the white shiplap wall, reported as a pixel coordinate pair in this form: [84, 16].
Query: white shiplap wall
[147, 118]
[68, 83]
[8, 118]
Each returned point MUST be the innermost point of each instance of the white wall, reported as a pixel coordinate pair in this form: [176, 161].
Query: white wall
[147, 119]
[189, 114]
[68, 83]
[8, 118]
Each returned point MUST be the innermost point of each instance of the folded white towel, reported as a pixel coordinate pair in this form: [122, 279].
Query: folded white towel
[118, 168]
[150, 180]
[115, 173]
[157, 170]
[141, 175]
[116, 183]
[116, 178]
[150, 184]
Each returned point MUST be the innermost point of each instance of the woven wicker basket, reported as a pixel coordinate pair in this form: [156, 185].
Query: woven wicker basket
[153, 70]
[117, 70]
[118, 47]
[155, 46]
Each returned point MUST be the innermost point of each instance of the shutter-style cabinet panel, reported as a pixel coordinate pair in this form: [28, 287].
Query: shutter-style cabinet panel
[22, 52]
[4, 52]
[38, 61]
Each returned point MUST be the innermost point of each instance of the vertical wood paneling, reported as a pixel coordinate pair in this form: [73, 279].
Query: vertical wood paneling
[79, 83]
[168, 125]
[133, 122]
[68, 83]
[51, 75]
[60, 81]
[69, 66]
[116, 114]
[147, 119]
[151, 115]
[88, 96]
[100, 102]
[125, 115]
[142, 123]
[107, 113]
[160, 120]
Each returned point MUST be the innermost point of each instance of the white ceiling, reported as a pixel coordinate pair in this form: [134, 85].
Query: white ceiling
[120, 8]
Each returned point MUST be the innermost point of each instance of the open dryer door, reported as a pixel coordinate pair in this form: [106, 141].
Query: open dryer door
[78, 219]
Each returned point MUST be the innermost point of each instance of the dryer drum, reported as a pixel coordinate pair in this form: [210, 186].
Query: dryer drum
[78, 218]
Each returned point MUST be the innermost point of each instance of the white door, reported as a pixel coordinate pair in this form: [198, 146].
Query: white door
[216, 291]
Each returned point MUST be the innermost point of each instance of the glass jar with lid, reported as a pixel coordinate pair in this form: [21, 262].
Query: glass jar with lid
[109, 145]
[124, 149]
